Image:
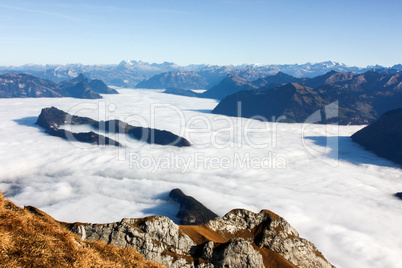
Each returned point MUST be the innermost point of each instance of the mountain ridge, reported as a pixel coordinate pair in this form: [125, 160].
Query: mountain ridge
[128, 73]
[29, 86]
[360, 98]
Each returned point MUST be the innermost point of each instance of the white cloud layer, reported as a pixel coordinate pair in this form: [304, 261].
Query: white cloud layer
[345, 207]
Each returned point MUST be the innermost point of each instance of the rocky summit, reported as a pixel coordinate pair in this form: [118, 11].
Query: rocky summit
[241, 238]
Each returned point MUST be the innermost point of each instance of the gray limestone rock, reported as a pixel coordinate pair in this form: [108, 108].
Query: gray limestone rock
[243, 237]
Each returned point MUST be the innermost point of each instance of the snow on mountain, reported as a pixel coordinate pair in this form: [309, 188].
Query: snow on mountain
[129, 73]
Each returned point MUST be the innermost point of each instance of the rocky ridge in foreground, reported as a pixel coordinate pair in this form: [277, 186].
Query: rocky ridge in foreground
[241, 238]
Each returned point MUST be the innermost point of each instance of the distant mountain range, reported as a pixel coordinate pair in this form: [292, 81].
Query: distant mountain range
[28, 86]
[206, 77]
[129, 73]
[360, 98]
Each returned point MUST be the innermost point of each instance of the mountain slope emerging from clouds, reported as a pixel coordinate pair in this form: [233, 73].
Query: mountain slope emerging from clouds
[383, 137]
[241, 238]
[175, 79]
[230, 85]
[28, 86]
[359, 98]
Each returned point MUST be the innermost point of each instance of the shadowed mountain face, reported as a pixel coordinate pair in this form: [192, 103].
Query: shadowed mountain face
[331, 77]
[277, 80]
[24, 85]
[27, 86]
[383, 137]
[52, 118]
[360, 99]
[181, 92]
[292, 100]
[191, 211]
[183, 80]
[231, 84]
[97, 86]
[148, 135]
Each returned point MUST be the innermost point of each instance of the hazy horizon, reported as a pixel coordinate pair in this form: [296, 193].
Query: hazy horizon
[161, 62]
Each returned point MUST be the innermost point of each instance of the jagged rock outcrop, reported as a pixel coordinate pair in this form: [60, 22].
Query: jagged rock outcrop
[237, 252]
[191, 211]
[284, 239]
[52, 118]
[383, 137]
[239, 239]
[156, 238]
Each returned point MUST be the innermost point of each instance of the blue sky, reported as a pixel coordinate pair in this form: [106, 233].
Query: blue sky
[220, 32]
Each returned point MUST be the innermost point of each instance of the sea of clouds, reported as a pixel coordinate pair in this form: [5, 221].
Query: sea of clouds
[335, 193]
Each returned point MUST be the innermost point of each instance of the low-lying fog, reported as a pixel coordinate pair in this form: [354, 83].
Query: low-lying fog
[344, 206]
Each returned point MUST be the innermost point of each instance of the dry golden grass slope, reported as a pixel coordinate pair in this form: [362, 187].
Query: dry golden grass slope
[31, 238]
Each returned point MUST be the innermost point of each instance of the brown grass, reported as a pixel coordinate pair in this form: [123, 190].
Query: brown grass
[34, 239]
[202, 234]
